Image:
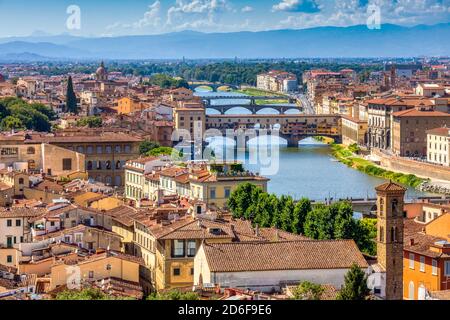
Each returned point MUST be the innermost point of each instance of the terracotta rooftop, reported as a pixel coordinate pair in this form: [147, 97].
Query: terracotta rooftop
[390, 186]
[19, 212]
[420, 113]
[445, 132]
[288, 255]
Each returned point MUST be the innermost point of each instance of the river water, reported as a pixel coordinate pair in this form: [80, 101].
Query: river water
[307, 171]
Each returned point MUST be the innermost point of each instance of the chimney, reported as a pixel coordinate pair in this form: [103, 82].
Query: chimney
[257, 230]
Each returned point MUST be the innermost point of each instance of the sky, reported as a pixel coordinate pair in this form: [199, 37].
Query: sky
[142, 17]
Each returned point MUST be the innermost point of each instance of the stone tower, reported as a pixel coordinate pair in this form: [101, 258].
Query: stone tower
[390, 200]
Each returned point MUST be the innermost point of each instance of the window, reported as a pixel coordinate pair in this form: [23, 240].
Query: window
[108, 149]
[18, 223]
[91, 274]
[90, 149]
[447, 268]
[212, 193]
[67, 164]
[176, 271]
[227, 192]
[411, 261]
[191, 248]
[411, 291]
[31, 150]
[192, 271]
[9, 223]
[178, 248]
[90, 165]
[434, 267]
[9, 259]
[99, 149]
[422, 264]
[108, 267]
[381, 234]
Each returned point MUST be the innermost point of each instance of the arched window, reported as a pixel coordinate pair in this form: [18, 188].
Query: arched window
[394, 234]
[99, 165]
[381, 206]
[411, 291]
[21, 181]
[394, 204]
[31, 165]
[108, 165]
[31, 150]
[89, 165]
[118, 164]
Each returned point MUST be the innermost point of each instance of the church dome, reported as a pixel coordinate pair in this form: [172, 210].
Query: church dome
[101, 71]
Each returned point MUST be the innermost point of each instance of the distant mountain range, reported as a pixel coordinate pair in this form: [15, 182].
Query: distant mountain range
[322, 42]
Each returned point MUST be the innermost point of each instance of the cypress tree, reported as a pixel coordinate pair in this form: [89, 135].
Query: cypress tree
[71, 98]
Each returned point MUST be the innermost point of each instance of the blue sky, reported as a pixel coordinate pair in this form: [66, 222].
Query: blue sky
[125, 17]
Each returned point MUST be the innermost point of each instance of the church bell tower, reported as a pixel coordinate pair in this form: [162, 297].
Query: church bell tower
[390, 215]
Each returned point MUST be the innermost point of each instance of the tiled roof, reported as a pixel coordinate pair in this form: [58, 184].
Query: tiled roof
[289, 255]
[19, 212]
[416, 240]
[419, 113]
[445, 132]
[390, 186]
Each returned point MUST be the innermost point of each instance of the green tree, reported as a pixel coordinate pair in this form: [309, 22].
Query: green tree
[91, 122]
[242, 199]
[366, 236]
[287, 214]
[48, 112]
[301, 210]
[71, 98]
[147, 146]
[355, 285]
[308, 291]
[10, 123]
[161, 151]
[173, 295]
[86, 294]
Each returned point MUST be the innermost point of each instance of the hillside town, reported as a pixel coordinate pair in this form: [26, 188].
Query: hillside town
[93, 198]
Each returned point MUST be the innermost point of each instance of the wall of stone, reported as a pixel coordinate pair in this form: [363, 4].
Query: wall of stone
[420, 169]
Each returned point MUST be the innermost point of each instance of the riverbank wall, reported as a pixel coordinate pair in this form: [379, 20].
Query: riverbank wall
[417, 168]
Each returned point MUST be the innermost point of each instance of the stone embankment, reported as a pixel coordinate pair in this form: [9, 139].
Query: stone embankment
[435, 187]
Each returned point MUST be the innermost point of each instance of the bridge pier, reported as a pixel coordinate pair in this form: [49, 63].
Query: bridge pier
[292, 141]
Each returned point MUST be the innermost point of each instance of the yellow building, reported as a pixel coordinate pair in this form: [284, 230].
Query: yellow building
[97, 267]
[129, 105]
[214, 184]
[190, 118]
[353, 131]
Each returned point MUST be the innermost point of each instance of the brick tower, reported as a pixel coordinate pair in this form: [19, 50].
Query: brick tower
[390, 200]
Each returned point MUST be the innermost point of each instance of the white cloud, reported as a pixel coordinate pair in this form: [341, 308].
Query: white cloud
[351, 12]
[151, 18]
[247, 9]
[297, 6]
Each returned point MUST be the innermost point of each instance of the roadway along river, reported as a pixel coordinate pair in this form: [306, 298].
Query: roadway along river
[311, 171]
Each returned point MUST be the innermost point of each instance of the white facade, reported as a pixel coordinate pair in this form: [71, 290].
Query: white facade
[438, 149]
[264, 281]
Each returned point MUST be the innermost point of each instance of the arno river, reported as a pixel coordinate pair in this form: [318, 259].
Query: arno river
[311, 171]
